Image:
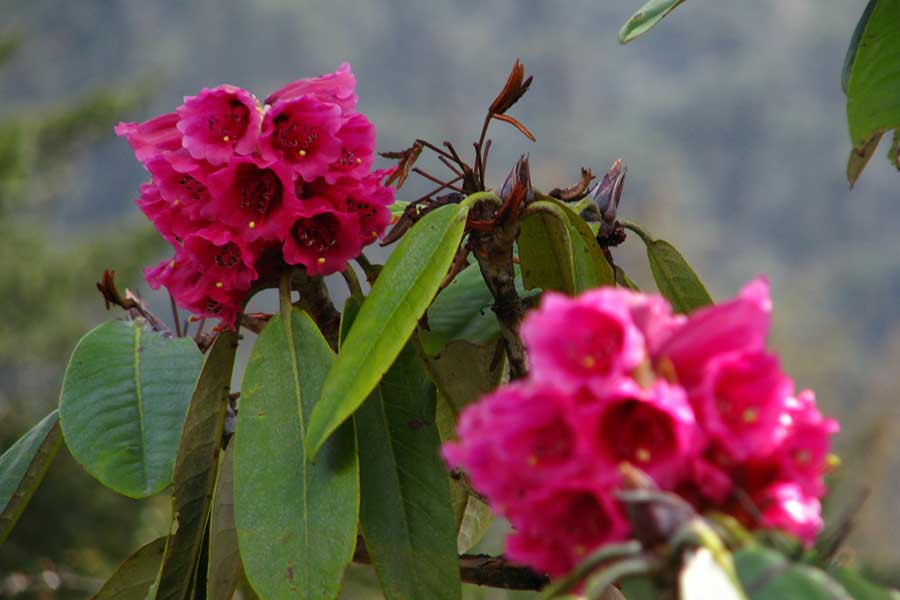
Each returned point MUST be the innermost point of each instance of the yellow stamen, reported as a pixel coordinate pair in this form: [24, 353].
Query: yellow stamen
[532, 461]
[172, 264]
[643, 455]
[225, 138]
[580, 550]
[803, 456]
[832, 462]
[176, 203]
[359, 161]
[301, 153]
[252, 224]
[219, 284]
[588, 362]
[321, 260]
[750, 415]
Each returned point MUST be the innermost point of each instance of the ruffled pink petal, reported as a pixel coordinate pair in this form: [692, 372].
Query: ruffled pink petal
[220, 122]
[152, 138]
[338, 88]
[302, 133]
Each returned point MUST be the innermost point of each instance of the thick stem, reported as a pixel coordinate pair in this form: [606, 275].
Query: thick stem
[315, 300]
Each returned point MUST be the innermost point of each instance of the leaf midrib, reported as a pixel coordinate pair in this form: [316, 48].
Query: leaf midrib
[138, 392]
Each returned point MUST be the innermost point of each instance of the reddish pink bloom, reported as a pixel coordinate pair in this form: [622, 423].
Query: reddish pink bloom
[705, 482]
[572, 519]
[302, 132]
[223, 258]
[357, 136]
[182, 182]
[652, 314]
[170, 219]
[323, 240]
[784, 506]
[366, 198]
[803, 454]
[196, 292]
[152, 138]
[742, 402]
[740, 324]
[573, 340]
[254, 199]
[653, 429]
[220, 122]
[337, 88]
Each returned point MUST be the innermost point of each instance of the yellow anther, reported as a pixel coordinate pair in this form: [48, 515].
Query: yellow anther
[321, 260]
[252, 224]
[643, 455]
[225, 138]
[750, 415]
[588, 362]
[532, 461]
[176, 203]
[580, 550]
[359, 161]
[301, 153]
[219, 284]
[803, 456]
[832, 461]
[172, 264]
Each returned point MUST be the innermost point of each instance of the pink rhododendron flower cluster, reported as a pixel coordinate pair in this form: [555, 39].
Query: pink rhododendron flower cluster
[696, 402]
[241, 189]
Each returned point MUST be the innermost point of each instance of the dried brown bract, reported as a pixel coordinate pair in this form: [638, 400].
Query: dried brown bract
[407, 159]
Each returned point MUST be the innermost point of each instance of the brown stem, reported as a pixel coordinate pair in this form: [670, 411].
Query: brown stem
[481, 569]
[443, 184]
[315, 300]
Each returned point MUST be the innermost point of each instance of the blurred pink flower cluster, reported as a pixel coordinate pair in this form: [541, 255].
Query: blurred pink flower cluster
[698, 403]
[240, 188]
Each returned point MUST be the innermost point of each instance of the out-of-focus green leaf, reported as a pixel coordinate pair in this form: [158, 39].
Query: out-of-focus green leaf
[767, 574]
[591, 267]
[646, 18]
[296, 520]
[22, 468]
[674, 277]
[398, 207]
[195, 468]
[623, 280]
[401, 294]
[405, 513]
[124, 398]
[224, 570]
[703, 578]
[476, 519]
[861, 588]
[463, 373]
[136, 575]
[871, 80]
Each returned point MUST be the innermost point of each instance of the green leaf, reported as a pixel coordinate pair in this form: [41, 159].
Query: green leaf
[22, 468]
[224, 569]
[195, 468]
[462, 311]
[702, 576]
[545, 254]
[674, 277]
[401, 294]
[591, 267]
[646, 18]
[861, 588]
[850, 57]
[296, 520]
[398, 207]
[124, 398]
[405, 514]
[873, 83]
[476, 519]
[859, 158]
[463, 373]
[623, 280]
[767, 574]
[134, 577]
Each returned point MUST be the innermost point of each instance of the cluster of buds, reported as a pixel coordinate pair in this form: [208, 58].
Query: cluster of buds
[696, 402]
[243, 189]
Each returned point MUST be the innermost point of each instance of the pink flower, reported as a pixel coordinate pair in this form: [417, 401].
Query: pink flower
[739, 325]
[803, 454]
[652, 315]
[223, 258]
[574, 340]
[571, 519]
[302, 132]
[357, 137]
[338, 88]
[219, 122]
[182, 182]
[323, 240]
[194, 291]
[253, 198]
[366, 198]
[169, 218]
[742, 402]
[653, 429]
[785, 506]
[152, 138]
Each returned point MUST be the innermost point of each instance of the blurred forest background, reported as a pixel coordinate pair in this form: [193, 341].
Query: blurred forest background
[729, 115]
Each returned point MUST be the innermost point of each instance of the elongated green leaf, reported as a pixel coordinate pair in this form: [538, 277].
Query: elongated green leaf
[296, 520]
[545, 254]
[133, 578]
[591, 267]
[646, 18]
[767, 574]
[861, 156]
[405, 514]
[873, 83]
[463, 372]
[399, 298]
[398, 207]
[674, 277]
[195, 468]
[123, 403]
[476, 519]
[462, 311]
[225, 569]
[22, 468]
[861, 588]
